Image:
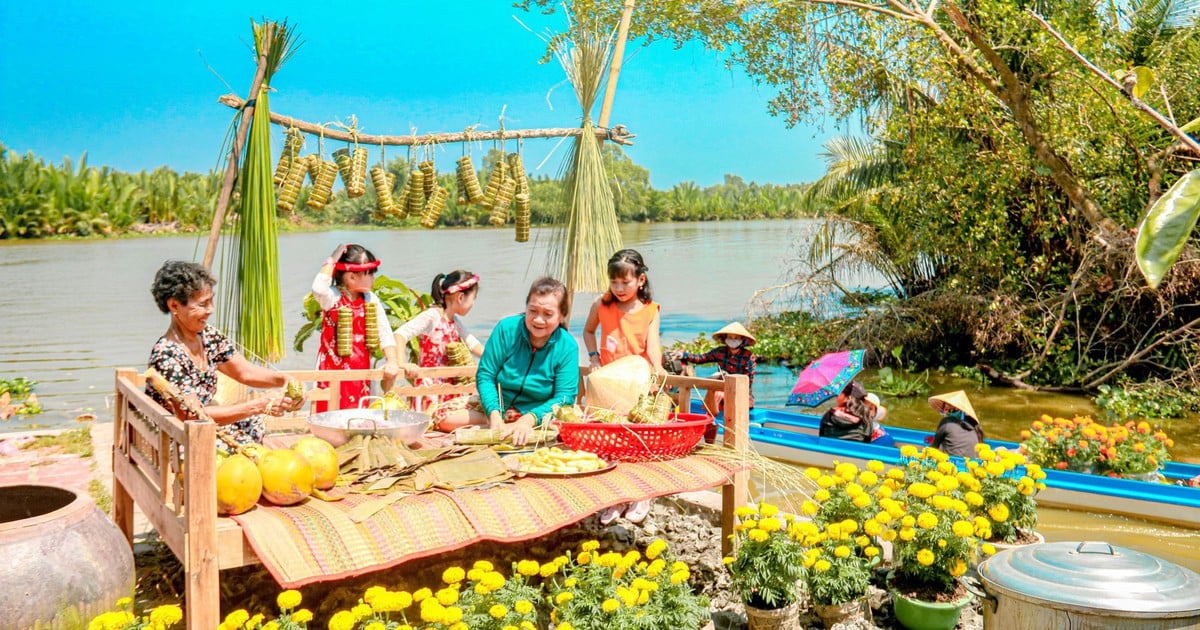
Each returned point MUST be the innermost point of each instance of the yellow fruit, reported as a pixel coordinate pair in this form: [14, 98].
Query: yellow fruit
[239, 484]
[391, 402]
[322, 457]
[287, 478]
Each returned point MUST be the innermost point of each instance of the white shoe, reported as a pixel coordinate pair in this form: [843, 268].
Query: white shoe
[608, 515]
[638, 511]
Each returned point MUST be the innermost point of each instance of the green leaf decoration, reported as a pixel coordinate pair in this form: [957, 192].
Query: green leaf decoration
[1145, 79]
[1166, 228]
[1191, 126]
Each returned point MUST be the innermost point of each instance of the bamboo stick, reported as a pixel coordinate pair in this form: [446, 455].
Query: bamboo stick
[618, 134]
[614, 69]
[235, 153]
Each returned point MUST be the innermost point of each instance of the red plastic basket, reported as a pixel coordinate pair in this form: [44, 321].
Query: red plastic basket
[628, 442]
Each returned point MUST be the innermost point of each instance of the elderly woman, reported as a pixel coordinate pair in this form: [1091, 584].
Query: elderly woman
[530, 363]
[191, 352]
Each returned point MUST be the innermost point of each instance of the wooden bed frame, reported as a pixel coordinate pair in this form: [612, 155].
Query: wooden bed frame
[148, 447]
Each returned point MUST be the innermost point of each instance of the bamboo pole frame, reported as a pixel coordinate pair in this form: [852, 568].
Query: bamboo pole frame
[614, 70]
[618, 134]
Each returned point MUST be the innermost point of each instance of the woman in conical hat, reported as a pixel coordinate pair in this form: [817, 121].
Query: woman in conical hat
[958, 430]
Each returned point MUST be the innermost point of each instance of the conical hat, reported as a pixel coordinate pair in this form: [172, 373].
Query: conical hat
[735, 329]
[953, 400]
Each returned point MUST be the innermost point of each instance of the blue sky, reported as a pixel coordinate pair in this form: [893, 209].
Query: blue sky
[130, 84]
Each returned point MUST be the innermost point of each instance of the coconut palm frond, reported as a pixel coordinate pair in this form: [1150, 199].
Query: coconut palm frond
[854, 166]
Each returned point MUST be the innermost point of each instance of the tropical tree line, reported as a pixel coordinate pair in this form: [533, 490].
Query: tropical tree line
[999, 179]
[40, 199]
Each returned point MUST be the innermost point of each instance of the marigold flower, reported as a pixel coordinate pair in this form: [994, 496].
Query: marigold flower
[483, 565]
[758, 535]
[288, 599]
[812, 473]
[452, 615]
[962, 529]
[998, 512]
[927, 520]
[422, 594]
[958, 568]
[822, 495]
[239, 617]
[341, 620]
[988, 549]
[447, 596]
[528, 568]
[655, 548]
[523, 606]
[453, 575]
[303, 615]
[566, 625]
[610, 605]
[907, 534]
[679, 577]
[871, 552]
[842, 551]
[922, 490]
[925, 557]
[167, 615]
[822, 565]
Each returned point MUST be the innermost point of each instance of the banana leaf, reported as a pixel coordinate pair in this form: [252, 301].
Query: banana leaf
[1166, 228]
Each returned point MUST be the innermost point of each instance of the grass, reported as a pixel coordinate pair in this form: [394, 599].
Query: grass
[72, 442]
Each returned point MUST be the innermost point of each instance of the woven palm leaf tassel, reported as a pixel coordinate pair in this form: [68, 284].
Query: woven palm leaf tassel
[429, 172]
[345, 331]
[372, 316]
[501, 202]
[433, 208]
[522, 216]
[466, 170]
[499, 174]
[293, 139]
[415, 200]
[323, 178]
[289, 191]
[384, 204]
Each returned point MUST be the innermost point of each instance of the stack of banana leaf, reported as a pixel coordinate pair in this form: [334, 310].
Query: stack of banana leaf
[372, 463]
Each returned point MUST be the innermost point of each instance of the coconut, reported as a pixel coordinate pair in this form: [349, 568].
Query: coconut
[322, 457]
[239, 484]
[287, 478]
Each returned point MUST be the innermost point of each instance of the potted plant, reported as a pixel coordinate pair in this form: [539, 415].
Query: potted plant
[1002, 488]
[839, 560]
[765, 568]
[1133, 449]
[935, 543]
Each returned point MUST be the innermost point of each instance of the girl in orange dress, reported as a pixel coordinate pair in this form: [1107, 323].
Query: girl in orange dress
[628, 320]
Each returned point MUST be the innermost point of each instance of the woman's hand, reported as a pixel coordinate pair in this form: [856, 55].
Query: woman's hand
[594, 362]
[519, 430]
[495, 420]
[338, 251]
[391, 370]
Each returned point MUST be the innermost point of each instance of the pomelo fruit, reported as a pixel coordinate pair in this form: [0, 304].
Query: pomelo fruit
[391, 402]
[287, 479]
[322, 457]
[239, 484]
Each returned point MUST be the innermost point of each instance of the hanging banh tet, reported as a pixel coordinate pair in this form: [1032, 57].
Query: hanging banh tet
[293, 140]
[353, 167]
[402, 199]
[384, 204]
[323, 173]
[372, 322]
[416, 192]
[461, 187]
[523, 216]
[499, 174]
[289, 191]
[345, 331]
[433, 207]
[466, 171]
[429, 173]
[501, 202]
[516, 170]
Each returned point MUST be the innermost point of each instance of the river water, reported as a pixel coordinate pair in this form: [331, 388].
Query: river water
[73, 311]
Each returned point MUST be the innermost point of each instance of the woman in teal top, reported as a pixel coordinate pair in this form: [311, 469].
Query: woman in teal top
[530, 363]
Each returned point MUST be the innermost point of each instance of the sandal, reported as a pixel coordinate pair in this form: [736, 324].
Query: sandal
[638, 511]
[608, 515]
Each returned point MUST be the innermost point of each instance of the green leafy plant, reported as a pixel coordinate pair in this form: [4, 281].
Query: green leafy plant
[18, 387]
[839, 564]
[1003, 488]
[1081, 444]
[765, 569]
[901, 384]
[1152, 399]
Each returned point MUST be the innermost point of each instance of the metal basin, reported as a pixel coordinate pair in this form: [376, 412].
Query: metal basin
[337, 427]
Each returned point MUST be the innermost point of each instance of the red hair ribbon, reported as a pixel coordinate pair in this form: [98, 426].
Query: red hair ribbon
[464, 285]
[367, 266]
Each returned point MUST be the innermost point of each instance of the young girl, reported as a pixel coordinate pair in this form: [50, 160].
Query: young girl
[629, 323]
[627, 318]
[343, 286]
[733, 356]
[438, 326]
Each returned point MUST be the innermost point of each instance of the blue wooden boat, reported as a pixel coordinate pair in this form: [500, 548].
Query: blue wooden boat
[791, 436]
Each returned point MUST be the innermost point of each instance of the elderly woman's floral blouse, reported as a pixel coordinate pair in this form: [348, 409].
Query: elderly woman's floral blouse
[171, 360]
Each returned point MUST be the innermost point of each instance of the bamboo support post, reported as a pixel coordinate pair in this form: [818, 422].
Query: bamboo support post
[618, 134]
[737, 437]
[235, 152]
[614, 69]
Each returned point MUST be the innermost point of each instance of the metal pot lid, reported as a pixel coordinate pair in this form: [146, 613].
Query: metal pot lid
[1095, 575]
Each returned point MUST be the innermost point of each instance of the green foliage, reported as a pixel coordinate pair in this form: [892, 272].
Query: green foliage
[796, 337]
[841, 570]
[1151, 399]
[765, 569]
[903, 384]
[19, 387]
[1167, 227]
[75, 441]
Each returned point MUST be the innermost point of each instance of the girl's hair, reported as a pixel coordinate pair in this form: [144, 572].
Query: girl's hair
[180, 280]
[444, 281]
[549, 286]
[860, 409]
[624, 262]
[355, 254]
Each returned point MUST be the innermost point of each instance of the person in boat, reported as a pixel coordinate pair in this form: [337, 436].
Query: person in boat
[856, 415]
[530, 363]
[733, 356]
[958, 431]
[191, 352]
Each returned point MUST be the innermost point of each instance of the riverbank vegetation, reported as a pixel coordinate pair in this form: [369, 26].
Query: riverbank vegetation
[39, 199]
[999, 180]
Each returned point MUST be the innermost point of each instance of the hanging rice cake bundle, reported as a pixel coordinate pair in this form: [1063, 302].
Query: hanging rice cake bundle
[415, 200]
[501, 202]
[345, 331]
[358, 166]
[322, 189]
[429, 173]
[402, 199]
[461, 187]
[499, 174]
[384, 204]
[433, 209]
[516, 170]
[458, 355]
[372, 316]
[293, 140]
[523, 217]
[466, 171]
[289, 192]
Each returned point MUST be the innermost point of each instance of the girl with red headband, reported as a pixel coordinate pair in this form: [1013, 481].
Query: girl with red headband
[436, 328]
[343, 286]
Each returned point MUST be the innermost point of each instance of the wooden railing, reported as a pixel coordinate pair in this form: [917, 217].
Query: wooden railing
[153, 449]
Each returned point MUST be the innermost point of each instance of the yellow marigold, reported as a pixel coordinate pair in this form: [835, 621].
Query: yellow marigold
[548, 569]
[908, 520]
[825, 481]
[883, 518]
[922, 490]
[822, 495]
[679, 565]
[946, 468]
[528, 568]
[655, 568]
[447, 596]
[907, 534]
[895, 474]
[362, 611]
[372, 592]
[494, 580]
[842, 551]
[925, 557]
[822, 565]
[973, 498]
[679, 577]
[166, 615]
[872, 527]
[341, 620]
[610, 605]
[767, 509]
[849, 526]
[758, 535]
[846, 470]
[995, 469]
[432, 611]
[453, 575]
[927, 520]
[962, 529]
[643, 597]
[868, 478]
[566, 625]
[862, 541]
[452, 615]
[875, 466]
[812, 473]
[885, 491]
[941, 543]
[908, 450]
[124, 602]
[563, 597]
[743, 512]
[422, 594]
[303, 615]
[584, 557]
[483, 565]
[958, 568]
[770, 524]
[888, 535]
[988, 549]
[853, 489]
[239, 617]
[512, 627]
[936, 455]
[871, 552]
[272, 624]
[523, 606]
[948, 484]
[998, 512]
[809, 508]
[570, 582]
[862, 500]
[376, 625]
[655, 548]
[288, 599]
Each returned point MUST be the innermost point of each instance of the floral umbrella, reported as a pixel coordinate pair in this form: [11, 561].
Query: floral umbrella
[825, 377]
